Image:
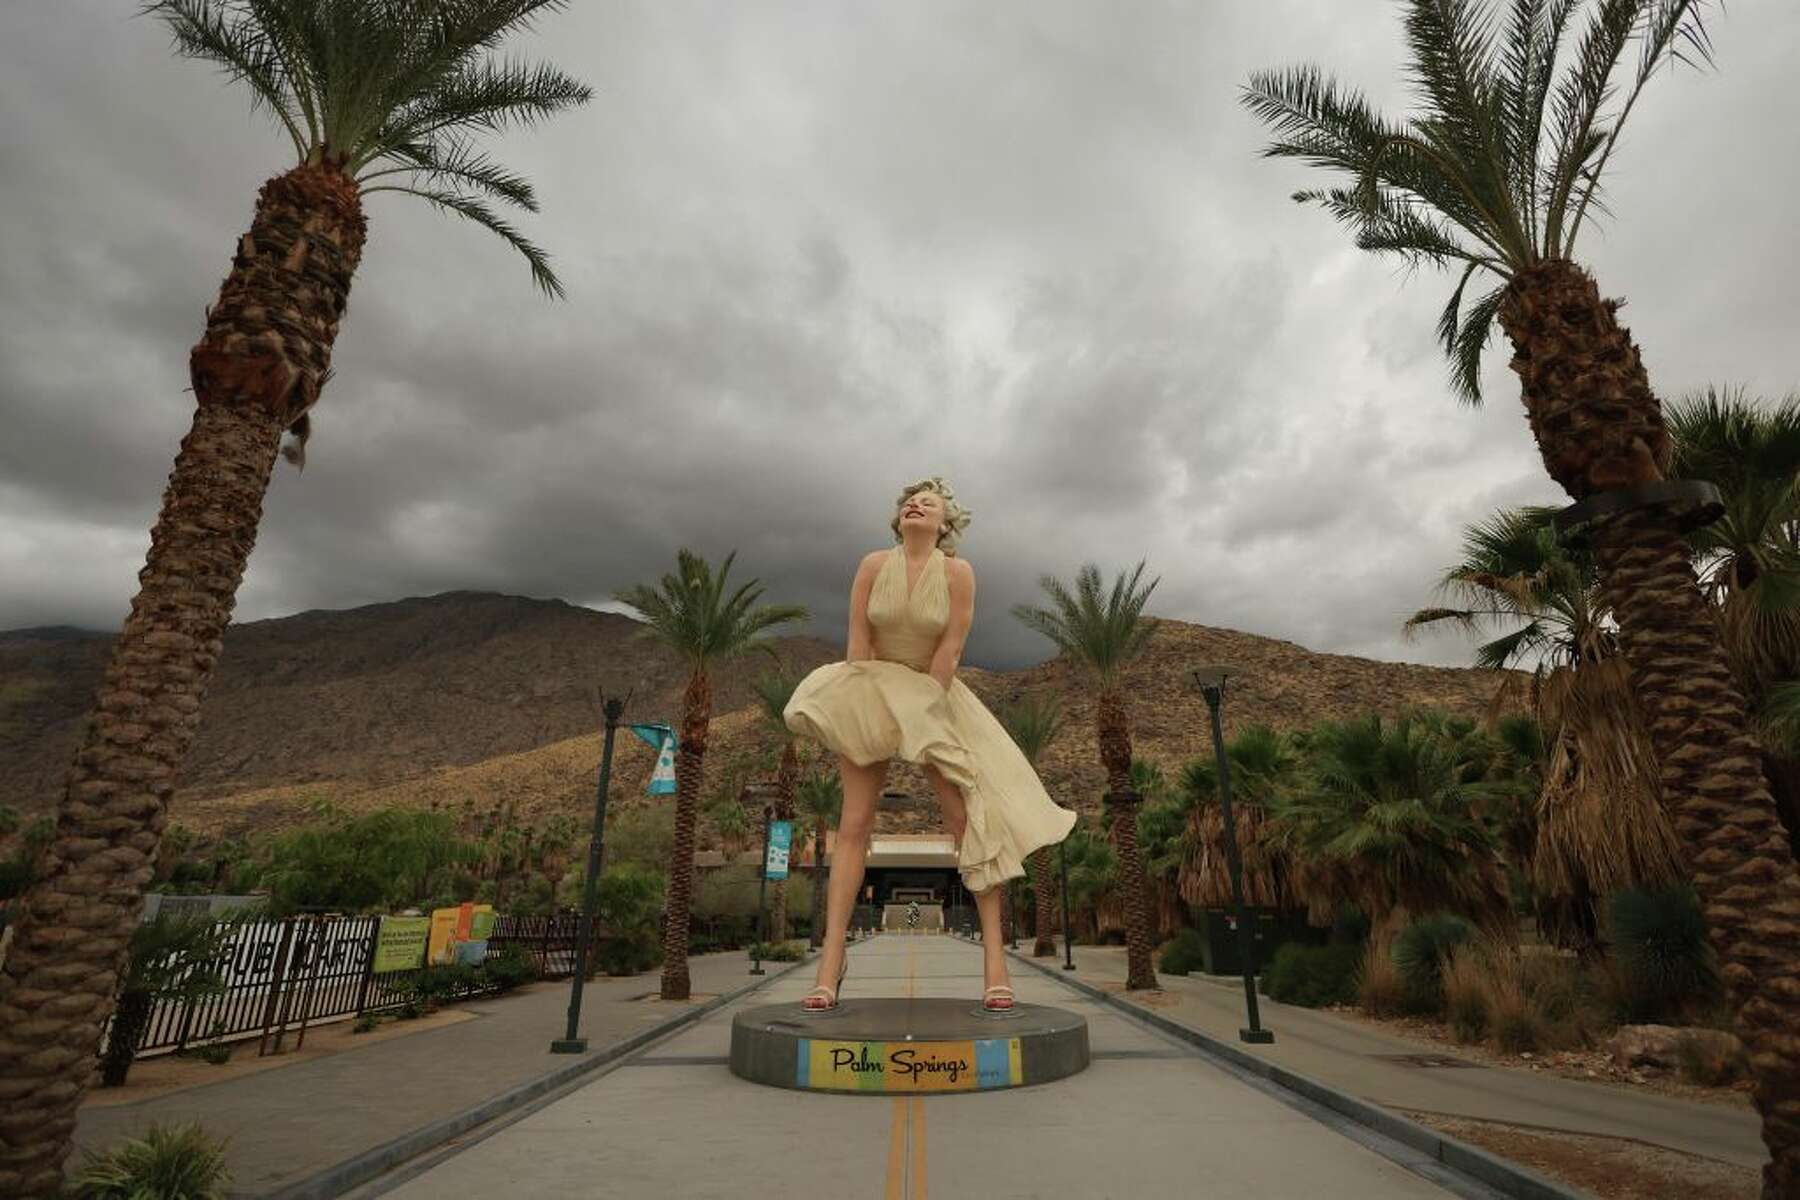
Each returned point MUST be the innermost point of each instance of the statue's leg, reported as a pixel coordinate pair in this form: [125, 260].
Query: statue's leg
[862, 790]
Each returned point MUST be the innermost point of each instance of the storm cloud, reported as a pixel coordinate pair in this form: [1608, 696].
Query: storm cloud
[814, 251]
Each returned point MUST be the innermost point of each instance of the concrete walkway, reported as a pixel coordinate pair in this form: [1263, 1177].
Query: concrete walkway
[293, 1121]
[1364, 1062]
[1149, 1117]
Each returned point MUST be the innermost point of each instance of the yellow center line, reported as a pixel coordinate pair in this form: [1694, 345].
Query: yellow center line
[896, 1164]
[918, 1148]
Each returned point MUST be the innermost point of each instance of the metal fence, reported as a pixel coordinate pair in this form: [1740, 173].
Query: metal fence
[281, 976]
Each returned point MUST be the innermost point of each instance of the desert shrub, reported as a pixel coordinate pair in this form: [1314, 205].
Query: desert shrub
[366, 1023]
[1465, 977]
[1700, 1062]
[779, 951]
[1419, 954]
[510, 968]
[1314, 975]
[1379, 989]
[1659, 942]
[1184, 953]
[180, 1162]
[215, 1049]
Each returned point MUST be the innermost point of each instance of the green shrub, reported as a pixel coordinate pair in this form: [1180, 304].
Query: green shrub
[181, 1162]
[1419, 954]
[510, 968]
[1184, 953]
[779, 951]
[629, 955]
[1659, 942]
[1314, 975]
[215, 1050]
[366, 1023]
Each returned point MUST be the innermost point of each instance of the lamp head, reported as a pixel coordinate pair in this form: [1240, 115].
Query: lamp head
[1210, 675]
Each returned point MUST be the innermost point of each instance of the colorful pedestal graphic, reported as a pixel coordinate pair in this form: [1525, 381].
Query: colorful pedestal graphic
[877, 1046]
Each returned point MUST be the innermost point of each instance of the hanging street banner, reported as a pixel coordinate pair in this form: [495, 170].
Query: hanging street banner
[400, 944]
[662, 739]
[781, 839]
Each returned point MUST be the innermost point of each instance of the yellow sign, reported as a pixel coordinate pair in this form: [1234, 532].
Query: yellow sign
[400, 945]
[835, 1066]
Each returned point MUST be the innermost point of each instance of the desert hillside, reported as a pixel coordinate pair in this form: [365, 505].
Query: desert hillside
[479, 697]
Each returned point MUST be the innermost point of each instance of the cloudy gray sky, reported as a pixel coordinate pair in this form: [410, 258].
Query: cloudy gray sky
[814, 250]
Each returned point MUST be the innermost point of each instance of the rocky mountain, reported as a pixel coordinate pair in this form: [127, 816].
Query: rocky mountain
[474, 698]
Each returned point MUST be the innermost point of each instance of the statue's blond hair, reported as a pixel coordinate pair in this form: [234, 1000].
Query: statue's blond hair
[956, 517]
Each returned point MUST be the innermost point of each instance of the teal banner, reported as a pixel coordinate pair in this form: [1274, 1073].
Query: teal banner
[781, 839]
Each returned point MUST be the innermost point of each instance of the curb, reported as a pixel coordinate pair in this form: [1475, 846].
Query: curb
[339, 1178]
[1509, 1178]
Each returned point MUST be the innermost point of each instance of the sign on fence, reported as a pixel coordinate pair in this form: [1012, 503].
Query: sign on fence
[400, 945]
[451, 927]
[781, 838]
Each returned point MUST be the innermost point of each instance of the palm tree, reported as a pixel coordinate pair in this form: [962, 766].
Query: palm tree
[1599, 820]
[555, 841]
[1034, 721]
[1749, 560]
[1385, 818]
[1496, 175]
[1093, 867]
[820, 801]
[1264, 766]
[373, 98]
[1104, 632]
[773, 693]
[690, 612]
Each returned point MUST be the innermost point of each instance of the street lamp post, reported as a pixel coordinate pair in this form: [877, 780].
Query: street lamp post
[614, 709]
[1068, 947]
[1211, 681]
[762, 893]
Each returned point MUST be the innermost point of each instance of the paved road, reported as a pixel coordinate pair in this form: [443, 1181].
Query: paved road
[1365, 1062]
[1149, 1117]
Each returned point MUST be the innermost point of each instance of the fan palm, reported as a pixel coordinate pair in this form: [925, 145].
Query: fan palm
[820, 801]
[1093, 867]
[1034, 721]
[1263, 765]
[1599, 820]
[1495, 176]
[1161, 822]
[373, 96]
[1386, 819]
[690, 612]
[1749, 560]
[773, 693]
[1104, 631]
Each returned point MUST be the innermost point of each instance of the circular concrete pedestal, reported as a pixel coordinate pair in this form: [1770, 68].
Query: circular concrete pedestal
[882, 1046]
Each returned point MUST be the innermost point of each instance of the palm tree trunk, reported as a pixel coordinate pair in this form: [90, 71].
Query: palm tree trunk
[1114, 730]
[1043, 897]
[258, 368]
[1711, 772]
[690, 777]
[816, 936]
[787, 783]
[1599, 426]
